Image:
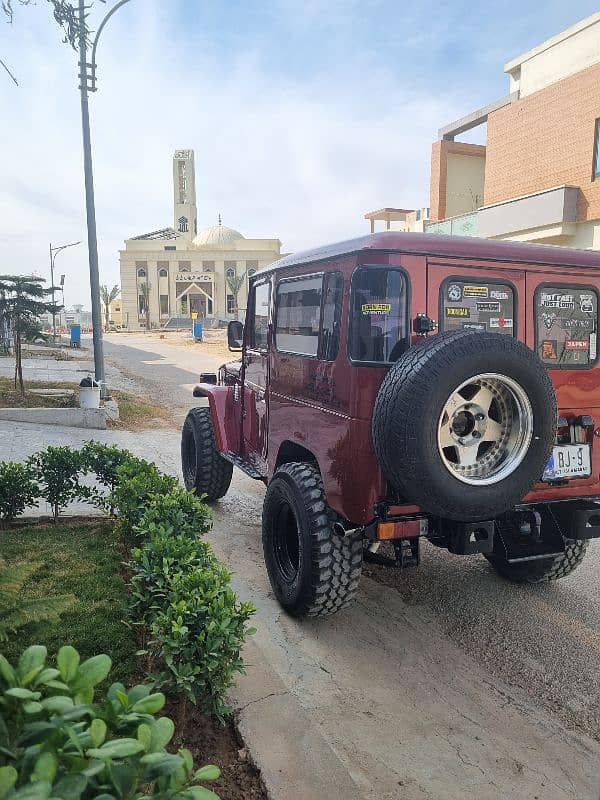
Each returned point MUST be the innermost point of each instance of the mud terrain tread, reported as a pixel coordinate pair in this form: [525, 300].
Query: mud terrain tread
[551, 569]
[415, 375]
[211, 474]
[336, 561]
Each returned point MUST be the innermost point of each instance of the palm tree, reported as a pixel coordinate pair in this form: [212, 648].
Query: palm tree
[107, 297]
[22, 304]
[234, 284]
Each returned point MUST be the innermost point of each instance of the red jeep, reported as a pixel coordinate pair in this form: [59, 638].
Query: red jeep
[401, 386]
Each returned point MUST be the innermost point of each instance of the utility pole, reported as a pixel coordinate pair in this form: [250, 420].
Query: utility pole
[87, 83]
[54, 251]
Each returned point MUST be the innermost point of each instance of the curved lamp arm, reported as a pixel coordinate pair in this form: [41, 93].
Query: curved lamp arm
[101, 28]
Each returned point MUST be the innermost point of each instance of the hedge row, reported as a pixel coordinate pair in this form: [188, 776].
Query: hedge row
[192, 629]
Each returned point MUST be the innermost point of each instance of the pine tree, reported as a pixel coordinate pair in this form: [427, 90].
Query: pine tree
[22, 303]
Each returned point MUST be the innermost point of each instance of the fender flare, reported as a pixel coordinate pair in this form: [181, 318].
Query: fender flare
[222, 411]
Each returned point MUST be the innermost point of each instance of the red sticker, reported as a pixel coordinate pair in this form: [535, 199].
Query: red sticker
[576, 344]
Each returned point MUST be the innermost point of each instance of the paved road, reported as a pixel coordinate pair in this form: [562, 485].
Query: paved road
[445, 682]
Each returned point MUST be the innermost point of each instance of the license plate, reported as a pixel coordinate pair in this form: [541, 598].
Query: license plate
[569, 461]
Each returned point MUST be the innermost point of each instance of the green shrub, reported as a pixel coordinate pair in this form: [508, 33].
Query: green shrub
[104, 461]
[178, 512]
[57, 472]
[136, 481]
[199, 633]
[18, 490]
[58, 741]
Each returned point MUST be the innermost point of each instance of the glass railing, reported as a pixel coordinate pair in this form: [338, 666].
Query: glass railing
[462, 225]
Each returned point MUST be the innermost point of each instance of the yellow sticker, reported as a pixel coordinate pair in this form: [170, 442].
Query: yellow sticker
[376, 308]
[475, 291]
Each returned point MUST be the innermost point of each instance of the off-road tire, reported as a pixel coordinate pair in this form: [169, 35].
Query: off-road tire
[542, 570]
[204, 468]
[407, 411]
[329, 563]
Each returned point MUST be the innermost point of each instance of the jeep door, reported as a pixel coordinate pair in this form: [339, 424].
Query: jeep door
[255, 413]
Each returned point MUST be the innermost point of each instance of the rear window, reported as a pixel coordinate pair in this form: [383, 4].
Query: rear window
[477, 306]
[378, 325]
[566, 325]
[298, 315]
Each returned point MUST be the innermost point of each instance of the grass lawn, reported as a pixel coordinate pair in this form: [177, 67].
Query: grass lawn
[83, 560]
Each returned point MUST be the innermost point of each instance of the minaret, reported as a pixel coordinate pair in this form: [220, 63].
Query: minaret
[184, 194]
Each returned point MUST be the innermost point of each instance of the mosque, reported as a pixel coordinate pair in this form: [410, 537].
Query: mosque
[174, 275]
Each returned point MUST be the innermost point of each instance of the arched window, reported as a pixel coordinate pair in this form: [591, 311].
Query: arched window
[183, 224]
[230, 273]
[251, 272]
[162, 273]
[141, 273]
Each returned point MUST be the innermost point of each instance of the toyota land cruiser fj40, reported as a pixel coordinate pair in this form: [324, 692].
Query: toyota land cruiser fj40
[403, 386]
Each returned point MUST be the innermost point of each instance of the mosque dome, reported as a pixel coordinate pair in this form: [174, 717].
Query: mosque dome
[219, 237]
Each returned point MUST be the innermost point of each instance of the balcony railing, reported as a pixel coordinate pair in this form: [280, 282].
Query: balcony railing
[462, 225]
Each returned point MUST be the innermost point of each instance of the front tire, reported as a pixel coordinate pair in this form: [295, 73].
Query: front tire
[544, 569]
[313, 569]
[204, 469]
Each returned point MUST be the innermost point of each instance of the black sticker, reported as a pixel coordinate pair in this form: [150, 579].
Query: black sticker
[549, 350]
[489, 307]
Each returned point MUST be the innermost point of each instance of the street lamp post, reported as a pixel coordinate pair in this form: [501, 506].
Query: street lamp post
[54, 251]
[87, 83]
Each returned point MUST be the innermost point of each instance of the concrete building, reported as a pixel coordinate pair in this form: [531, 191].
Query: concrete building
[176, 274]
[537, 178]
[115, 313]
[399, 219]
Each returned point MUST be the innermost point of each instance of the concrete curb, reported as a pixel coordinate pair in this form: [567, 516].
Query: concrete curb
[94, 418]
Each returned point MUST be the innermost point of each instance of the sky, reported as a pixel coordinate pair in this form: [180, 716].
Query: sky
[303, 115]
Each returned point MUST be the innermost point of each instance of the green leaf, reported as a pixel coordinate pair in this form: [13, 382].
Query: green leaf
[200, 793]
[97, 732]
[188, 760]
[48, 674]
[117, 748]
[45, 768]
[85, 697]
[207, 773]
[58, 704]
[144, 735]
[7, 673]
[22, 694]
[8, 778]
[31, 659]
[40, 790]
[164, 763]
[137, 693]
[149, 705]
[91, 672]
[162, 733]
[67, 661]
[33, 707]
[71, 787]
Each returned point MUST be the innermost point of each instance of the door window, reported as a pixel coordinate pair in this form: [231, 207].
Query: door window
[471, 304]
[378, 327]
[298, 315]
[260, 328]
[566, 321]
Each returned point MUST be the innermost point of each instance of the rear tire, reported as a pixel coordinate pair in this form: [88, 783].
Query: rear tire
[545, 569]
[313, 569]
[204, 468]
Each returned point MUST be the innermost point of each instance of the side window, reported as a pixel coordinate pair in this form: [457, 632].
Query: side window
[566, 321]
[477, 306]
[298, 315]
[260, 327]
[333, 290]
[379, 315]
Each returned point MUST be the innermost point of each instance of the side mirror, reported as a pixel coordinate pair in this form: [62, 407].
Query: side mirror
[235, 335]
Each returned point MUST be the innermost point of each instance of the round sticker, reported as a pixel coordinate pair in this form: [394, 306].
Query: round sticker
[454, 292]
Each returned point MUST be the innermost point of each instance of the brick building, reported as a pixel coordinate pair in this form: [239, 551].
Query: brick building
[537, 178]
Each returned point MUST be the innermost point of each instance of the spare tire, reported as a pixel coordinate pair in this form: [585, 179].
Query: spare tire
[464, 424]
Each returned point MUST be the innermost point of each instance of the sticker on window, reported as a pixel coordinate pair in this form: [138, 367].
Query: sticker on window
[485, 306]
[566, 321]
[376, 308]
